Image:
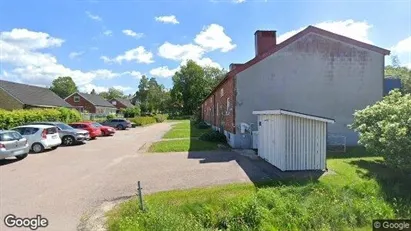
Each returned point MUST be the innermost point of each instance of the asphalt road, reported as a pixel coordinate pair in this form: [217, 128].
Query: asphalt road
[63, 184]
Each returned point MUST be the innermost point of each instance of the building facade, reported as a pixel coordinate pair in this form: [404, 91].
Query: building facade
[90, 103]
[313, 72]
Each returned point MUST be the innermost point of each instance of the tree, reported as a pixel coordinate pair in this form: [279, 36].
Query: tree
[385, 128]
[112, 93]
[214, 75]
[142, 94]
[93, 92]
[397, 71]
[63, 86]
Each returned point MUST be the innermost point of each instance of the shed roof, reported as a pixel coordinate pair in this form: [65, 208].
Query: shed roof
[125, 102]
[292, 113]
[277, 47]
[96, 100]
[33, 95]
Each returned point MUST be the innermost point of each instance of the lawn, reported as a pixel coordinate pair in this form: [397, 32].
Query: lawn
[182, 145]
[361, 189]
[184, 129]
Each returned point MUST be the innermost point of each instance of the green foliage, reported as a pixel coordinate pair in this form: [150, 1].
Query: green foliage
[213, 136]
[143, 120]
[132, 112]
[112, 93]
[63, 86]
[9, 119]
[203, 125]
[385, 127]
[183, 145]
[179, 117]
[161, 117]
[110, 116]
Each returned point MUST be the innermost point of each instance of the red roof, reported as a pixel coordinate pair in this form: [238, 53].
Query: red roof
[309, 29]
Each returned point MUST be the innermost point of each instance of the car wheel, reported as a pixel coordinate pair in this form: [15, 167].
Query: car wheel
[68, 140]
[20, 157]
[120, 127]
[37, 148]
[103, 133]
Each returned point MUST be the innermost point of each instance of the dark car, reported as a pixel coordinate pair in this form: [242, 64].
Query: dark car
[119, 124]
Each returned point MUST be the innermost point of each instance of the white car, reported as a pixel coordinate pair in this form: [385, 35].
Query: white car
[40, 137]
[13, 144]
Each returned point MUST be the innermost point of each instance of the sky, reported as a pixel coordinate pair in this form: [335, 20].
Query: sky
[112, 43]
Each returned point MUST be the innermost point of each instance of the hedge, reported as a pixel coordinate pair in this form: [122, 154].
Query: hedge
[143, 120]
[161, 117]
[10, 119]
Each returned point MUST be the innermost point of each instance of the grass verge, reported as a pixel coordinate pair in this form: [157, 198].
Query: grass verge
[182, 146]
[362, 189]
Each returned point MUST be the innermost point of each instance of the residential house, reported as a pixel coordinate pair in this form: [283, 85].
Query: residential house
[91, 103]
[121, 103]
[22, 96]
[313, 72]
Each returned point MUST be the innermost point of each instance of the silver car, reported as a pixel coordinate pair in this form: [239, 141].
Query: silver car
[13, 144]
[68, 135]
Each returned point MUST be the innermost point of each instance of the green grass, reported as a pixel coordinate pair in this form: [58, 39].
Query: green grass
[361, 189]
[182, 146]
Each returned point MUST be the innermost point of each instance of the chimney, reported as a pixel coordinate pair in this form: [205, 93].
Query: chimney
[264, 40]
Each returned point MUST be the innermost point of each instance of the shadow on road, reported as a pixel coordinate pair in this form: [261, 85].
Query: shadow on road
[8, 161]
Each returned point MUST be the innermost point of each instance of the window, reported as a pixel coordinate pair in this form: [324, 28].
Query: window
[217, 109]
[113, 102]
[76, 98]
[10, 136]
[228, 104]
[222, 92]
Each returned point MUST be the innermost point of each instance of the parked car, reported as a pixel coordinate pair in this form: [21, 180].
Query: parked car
[13, 144]
[93, 130]
[40, 137]
[68, 135]
[105, 130]
[119, 124]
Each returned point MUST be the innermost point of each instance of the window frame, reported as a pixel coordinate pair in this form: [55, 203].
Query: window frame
[76, 97]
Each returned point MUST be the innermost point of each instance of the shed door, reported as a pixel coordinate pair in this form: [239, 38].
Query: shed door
[264, 139]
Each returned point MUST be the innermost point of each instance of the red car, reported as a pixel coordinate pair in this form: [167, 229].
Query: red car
[105, 130]
[88, 126]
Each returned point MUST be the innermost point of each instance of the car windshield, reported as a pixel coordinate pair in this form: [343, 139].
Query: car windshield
[9, 136]
[64, 126]
[96, 125]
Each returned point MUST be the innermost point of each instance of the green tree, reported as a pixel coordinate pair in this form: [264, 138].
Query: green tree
[190, 87]
[93, 92]
[214, 75]
[142, 94]
[397, 71]
[112, 93]
[385, 128]
[63, 86]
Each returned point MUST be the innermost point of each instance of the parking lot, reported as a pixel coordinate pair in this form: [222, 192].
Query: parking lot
[61, 185]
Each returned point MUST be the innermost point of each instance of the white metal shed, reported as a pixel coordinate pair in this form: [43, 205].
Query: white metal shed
[291, 140]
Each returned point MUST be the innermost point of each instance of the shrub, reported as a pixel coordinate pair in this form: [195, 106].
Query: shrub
[213, 136]
[180, 117]
[110, 116]
[143, 120]
[9, 119]
[203, 125]
[161, 117]
[132, 112]
[385, 128]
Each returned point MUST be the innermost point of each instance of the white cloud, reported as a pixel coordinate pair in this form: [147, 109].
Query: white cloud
[108, 33]
[403, 46]
[30, 40]
[87, 88]
[135, 74]
[180, 52]
[349, 28]
[238, 1]
[122, 88]
[213, 38]
[133, 34]
[21, 49]
[167, 19]
[138, 54]
[93, 16]
[75, 54]
[163, 71]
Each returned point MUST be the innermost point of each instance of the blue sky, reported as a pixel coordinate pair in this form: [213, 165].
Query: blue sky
[102, 43]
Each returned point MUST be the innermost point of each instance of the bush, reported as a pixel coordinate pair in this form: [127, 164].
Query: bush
[9, 119]
[180, 117]
[132, 112]
[161, 117]
[110, 116]
[385, 128]
[203, 125]
[143, 120]
[213, 136]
